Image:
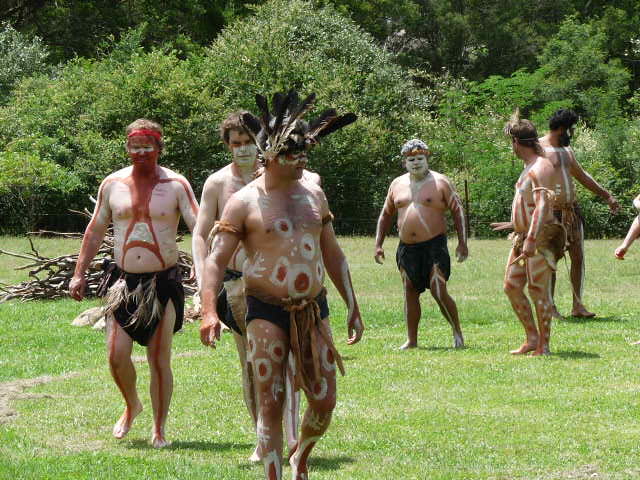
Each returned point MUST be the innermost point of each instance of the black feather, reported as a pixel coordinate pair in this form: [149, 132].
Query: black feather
[280, 103]
[301, 108]
[324, 117]
[262, 104]
[337, 124]
[251, 123]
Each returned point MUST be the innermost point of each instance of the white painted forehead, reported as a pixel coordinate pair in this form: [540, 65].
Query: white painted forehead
[414, 144]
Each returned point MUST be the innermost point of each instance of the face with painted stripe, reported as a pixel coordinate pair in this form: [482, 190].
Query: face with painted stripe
[417, 163]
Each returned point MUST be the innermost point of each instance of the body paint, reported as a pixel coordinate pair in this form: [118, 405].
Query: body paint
[299, 280]
[280, 272]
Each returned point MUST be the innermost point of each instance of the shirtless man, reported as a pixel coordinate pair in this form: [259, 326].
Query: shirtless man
[285, 227]
[566, 208]
[421, 197]
[145, 299]
[538, 240]
[231, 304]
[632, 234]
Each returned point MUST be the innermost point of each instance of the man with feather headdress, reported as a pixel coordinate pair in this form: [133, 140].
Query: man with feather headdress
[420, 198]
[285, 226]
[538, 238]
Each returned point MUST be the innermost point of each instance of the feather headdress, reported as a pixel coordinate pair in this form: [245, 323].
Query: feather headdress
[514, 121]
[283, 129]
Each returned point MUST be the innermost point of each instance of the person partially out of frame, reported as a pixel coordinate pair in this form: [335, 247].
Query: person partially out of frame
[142, 286]
[285, 226]
[632, 234]
[420, 198]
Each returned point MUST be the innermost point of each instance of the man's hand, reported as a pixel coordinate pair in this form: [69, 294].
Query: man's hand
[462, 252]
[614, 206]
[210, 330]
[77, 286]
[379, 255]
[355, 328]
[620, 252]
[498, 226]
[529, 247]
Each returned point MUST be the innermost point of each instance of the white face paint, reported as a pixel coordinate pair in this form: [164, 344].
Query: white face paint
[244, 155]
[416, 164]
[292, 158]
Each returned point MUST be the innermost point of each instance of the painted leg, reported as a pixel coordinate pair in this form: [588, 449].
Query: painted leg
[320, 407]
[161, 386]
[412, 312]
[268, 347]
[248, 390]
[514, 281]
[292, 407]
[119, 347]
[539, 277]
[438, 288]
[576, 253]
[554, 312]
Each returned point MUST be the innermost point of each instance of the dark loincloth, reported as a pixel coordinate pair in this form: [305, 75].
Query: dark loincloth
[138, 300]
[301, 319]
[417, 260]
[224, 307]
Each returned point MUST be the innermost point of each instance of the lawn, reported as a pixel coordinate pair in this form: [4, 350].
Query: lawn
[429, 413]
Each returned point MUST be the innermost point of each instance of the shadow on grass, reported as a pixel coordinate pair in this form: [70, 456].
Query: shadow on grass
[315, 463]
[575, 355]
[193, 445]
[570, 319]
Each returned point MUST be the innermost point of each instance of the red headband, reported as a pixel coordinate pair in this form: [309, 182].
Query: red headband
[151, 133]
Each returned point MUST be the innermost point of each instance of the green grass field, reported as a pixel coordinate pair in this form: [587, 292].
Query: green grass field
[429, 413]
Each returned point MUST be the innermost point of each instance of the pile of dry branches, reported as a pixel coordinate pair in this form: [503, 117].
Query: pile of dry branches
[50, 277]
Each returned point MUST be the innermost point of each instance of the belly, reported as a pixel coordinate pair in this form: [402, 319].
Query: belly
[417, 224]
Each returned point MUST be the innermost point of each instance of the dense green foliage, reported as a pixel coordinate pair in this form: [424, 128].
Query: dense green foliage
[450, 72]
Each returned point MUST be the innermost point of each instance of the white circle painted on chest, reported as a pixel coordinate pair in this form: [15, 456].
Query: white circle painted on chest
[299, 280]
[284, 227]
[307, 246]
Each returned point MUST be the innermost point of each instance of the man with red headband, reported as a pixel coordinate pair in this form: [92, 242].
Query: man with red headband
[231, 304]
[143, 289]
[285, 227]
[421, 197]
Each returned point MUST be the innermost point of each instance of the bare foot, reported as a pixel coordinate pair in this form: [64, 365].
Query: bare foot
[255, 456]
[158, 441]
[526, 347]
[541, 351]
[582, 312]
[407, 345]
[636, 343]
[556, 314]
[123, 425]
[458, 341]
[298, 472]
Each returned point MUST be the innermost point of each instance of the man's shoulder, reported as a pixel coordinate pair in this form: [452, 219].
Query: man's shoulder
[219, 177]
[440, 178]
[169, 174]
[404, 178]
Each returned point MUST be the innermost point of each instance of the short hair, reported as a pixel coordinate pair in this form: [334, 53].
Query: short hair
[524, 131]
[564, 117]
[146, 124]
[413, 144]
[232, 122]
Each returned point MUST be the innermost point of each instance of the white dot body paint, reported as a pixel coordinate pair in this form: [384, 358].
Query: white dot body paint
[308, 246]
[263, 433]
[280, 272]
[320, 271]
[263, 369]
[328, 362]
[299, 280]
[283, 227]
[276, 351]
[320, 389]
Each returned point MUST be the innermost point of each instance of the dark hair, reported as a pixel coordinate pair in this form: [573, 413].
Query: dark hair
[563, 118]
[526, 134]
[232, 122]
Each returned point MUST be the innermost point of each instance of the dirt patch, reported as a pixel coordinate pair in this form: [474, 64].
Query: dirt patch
[14, 390]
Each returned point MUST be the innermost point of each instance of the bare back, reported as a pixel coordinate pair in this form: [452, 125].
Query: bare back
[540, 174]
[563, 186]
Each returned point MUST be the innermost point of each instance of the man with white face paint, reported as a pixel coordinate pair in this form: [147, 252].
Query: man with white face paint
[421, 197]
[231, 303]
[285, 227]
[566, 209]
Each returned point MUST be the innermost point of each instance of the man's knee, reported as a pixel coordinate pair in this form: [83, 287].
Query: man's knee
[511, 289]
[118, 357]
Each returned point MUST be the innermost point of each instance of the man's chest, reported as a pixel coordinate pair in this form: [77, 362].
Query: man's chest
[286, 215]
[421, 194]
[129, 201]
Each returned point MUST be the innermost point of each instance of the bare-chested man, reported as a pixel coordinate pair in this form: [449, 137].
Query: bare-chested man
[145, 299]
[632, 234]
[538, 239]
[421, 197]
[231, 304]
[285, 227]
[566, 208]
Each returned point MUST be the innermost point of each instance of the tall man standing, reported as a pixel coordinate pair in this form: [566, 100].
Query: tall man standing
[285, 227]
[538, 240]
[145, 299]
[421, 197]
[565, 207]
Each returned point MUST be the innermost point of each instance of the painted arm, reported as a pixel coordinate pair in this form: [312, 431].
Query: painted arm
[632, 234]
[542, 200]
[93, 236]
[336, 265]
[384, 225]
[204, 224]
[636, 202]
[455, 205]
[224, 244]
[589, 183]
[187, 204]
